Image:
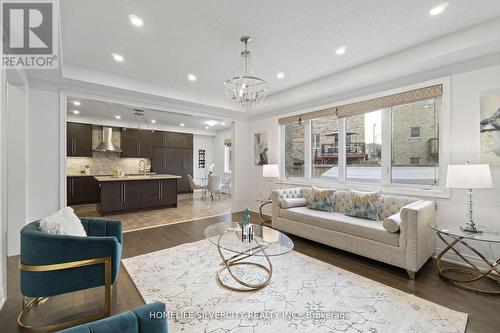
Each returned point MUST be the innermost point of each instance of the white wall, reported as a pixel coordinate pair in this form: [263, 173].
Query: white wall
[3, 187]
[202, 142]
[17, 160]
[465, 145]
[44, 153]
[218, 143]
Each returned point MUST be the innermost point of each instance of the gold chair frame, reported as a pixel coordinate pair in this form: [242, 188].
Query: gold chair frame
[28, 305]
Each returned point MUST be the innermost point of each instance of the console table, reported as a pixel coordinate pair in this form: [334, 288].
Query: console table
[465, 277]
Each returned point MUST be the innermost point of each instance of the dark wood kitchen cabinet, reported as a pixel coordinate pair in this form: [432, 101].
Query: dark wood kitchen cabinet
[132, 195]
[136, 143]
[159, 192]
[81, 189]
[172, 140]
[111, 197]
[168, 192]
[129, 195]
[78, 140]
[174, 161]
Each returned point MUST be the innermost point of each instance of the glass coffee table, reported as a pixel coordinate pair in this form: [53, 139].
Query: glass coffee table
[265, 243]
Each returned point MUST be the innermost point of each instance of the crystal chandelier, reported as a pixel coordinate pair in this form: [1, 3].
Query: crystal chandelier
[245, 90]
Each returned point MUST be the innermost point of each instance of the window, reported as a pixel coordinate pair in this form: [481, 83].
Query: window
[294, 149]
[414, 132]
[415, 160]
[227, 156]
[315, 141]
[325, 147]
[387, 140]
[364, 147]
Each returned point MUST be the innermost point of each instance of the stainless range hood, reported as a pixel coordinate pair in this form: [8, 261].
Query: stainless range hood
[106, 145]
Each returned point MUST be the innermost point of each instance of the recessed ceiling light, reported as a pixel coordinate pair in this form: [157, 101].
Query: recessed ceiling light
[280, 75]
[191, 77]
[438, 9]
[341, 50]
[182, 124]
[223, 123]
[77, 103]
[117, 57]
[153, 121]
[135, 20]
[75, 112]
[118, 117]
[211, 123]
[206, 127]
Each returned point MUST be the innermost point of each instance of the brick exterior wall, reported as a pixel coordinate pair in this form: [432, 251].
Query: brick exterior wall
[405, 148]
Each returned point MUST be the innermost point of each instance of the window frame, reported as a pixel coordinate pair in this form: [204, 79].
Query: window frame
[411, 129]
[385, 184]
[227, 158]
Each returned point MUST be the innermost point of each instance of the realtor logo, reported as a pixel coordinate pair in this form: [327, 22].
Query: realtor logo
[29, 34]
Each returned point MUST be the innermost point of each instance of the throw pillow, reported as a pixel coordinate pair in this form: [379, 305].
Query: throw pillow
[392, 223]
[63, 222]
[293, 202]
[321, 199]
[363, 205]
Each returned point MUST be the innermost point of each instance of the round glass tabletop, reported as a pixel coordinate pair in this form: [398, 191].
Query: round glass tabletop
[227, 235]
[484, 236]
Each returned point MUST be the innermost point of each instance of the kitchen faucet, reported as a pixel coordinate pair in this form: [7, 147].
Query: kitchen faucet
[143, 169]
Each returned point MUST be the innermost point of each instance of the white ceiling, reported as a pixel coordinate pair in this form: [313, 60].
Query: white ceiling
[103, 113]
[294, 36]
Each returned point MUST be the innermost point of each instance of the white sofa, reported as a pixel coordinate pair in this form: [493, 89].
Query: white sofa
[408, 248]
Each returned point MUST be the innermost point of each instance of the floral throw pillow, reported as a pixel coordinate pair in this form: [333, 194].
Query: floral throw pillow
[364, 205]
[320, 199]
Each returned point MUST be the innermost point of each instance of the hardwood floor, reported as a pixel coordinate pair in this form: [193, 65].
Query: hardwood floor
[482, 310]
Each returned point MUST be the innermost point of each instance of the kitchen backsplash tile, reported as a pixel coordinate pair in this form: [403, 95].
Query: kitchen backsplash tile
[102, 163]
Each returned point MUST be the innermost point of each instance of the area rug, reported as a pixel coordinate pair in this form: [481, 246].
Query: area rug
[304, 295]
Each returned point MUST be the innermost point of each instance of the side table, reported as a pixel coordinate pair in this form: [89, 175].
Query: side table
[466, 276]
[263, 219]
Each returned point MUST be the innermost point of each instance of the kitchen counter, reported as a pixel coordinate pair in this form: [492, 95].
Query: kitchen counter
[135, 177]
[136, 192]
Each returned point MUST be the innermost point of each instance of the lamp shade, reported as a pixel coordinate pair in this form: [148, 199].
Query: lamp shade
[270, 171]
[469, 176]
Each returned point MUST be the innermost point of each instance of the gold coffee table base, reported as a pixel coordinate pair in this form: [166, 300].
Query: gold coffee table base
[469, 274]
[236, 260]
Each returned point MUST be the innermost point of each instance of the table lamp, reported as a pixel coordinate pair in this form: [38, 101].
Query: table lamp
[270, 171]
[469, 176]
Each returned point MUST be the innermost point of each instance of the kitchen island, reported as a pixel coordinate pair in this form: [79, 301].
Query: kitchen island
[136, 192]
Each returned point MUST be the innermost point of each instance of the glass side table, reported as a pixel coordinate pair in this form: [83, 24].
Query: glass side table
[264, 220]
[465, 277]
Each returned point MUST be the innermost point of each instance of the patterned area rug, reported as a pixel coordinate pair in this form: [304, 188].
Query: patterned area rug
[304, 295]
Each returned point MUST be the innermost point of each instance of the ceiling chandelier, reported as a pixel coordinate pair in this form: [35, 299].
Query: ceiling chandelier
[245, 89]
[140, 117]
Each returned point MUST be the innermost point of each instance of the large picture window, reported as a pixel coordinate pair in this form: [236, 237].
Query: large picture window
[364, 147]
[388, 140]
[415, 157]
[294, 149]
[325, 148]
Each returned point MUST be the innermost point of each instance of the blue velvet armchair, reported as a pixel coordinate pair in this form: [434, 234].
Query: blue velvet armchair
[56, 264]
[149, 318]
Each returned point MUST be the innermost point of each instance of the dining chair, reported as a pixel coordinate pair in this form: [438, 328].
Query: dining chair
[214, 186]
[194, 186]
